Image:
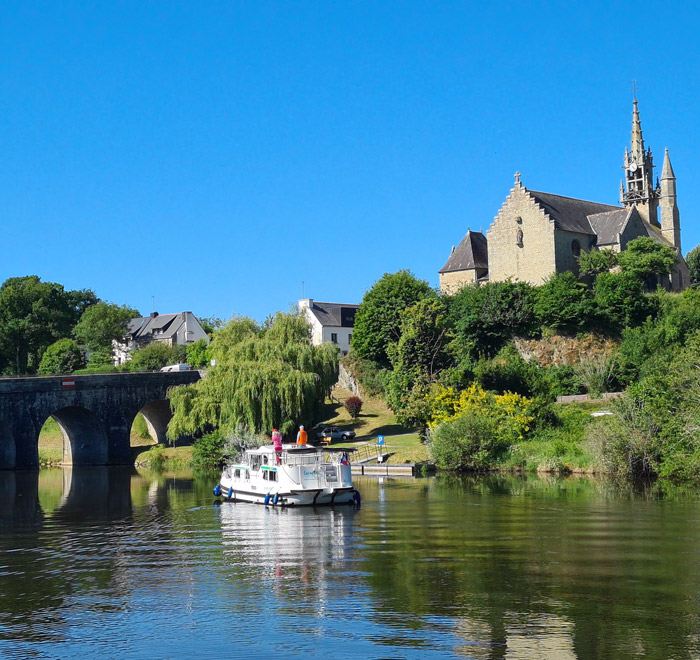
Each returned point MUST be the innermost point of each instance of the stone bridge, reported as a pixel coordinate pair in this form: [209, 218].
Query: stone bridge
[94, 413]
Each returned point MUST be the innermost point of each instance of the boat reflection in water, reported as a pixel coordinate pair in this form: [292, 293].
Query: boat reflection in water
[299, 552]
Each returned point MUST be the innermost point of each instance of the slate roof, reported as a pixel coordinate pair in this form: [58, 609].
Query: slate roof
[570, 214]
[472, 252]
[607, 226]
[335, 314]
[142, 328]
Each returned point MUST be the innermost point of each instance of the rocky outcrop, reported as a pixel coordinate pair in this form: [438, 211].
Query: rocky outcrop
[559, 350]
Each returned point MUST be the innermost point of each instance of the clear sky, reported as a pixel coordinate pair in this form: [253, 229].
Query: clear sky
[217, 155]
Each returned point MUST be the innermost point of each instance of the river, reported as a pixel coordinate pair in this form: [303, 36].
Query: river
[120, 564]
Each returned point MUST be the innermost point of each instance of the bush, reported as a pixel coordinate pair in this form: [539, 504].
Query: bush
[156, 356]
[468, 442]
[198, 354]
[353, 405]
[208, 451]
[371, 376]
[509, 372]
[564, 304]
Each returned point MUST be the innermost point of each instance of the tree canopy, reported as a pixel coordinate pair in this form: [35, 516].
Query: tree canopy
[693, 261]
[378, 320]
[264, 378]
[34, 315]
[62, 357]
[100, 325]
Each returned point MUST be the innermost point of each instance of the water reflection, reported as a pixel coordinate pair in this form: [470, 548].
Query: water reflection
[484, 567]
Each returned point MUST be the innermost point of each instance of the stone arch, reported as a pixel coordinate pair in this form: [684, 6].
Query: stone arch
[157, 415]
[8, 448]
[84, 436]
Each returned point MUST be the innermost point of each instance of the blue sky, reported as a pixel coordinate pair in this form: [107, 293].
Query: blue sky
[217, 155]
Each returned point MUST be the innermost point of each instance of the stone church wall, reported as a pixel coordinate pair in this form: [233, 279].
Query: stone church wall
[454, 281]
[566, 252]
[534, 261]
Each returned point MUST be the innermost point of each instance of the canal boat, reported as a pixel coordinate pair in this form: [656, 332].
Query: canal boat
[295, 476]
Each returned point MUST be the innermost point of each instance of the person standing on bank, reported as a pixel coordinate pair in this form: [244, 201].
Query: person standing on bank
[277, 444]
[301, 436]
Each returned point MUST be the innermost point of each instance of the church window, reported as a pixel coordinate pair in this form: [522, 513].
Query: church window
[576, 247]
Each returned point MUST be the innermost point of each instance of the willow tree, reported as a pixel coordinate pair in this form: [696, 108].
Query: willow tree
[263, 378]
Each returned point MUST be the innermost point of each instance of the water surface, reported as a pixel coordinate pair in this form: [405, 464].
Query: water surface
[122, 564]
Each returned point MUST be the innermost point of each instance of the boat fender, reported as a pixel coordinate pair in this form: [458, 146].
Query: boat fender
[217, 490]
[267, 499]
[276, 498]
[356, 496]
[230, 492]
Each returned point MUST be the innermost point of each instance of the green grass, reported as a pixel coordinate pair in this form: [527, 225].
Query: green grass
[560, 447]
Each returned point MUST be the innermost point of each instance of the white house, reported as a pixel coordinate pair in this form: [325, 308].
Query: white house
[331, 322]
[170, 329]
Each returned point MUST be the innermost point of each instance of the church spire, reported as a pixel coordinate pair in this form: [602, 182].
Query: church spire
[639, 173]
[670, 217]
[667, 171]
[637, 150]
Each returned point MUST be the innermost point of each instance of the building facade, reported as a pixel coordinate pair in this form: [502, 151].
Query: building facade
[537, 234]
[330, 322]
[170, 329]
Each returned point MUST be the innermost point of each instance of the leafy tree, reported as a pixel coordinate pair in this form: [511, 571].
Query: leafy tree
[564, 304]
[62, 357]
[621, 301]
[419, 357]
[693, 261]
[211, 324]
[486, 317]
[647, 259]
[100, 325]
[155, 356]
[198, 354]
[378, 320]
[33, 315]
[595, 262]
[264, 378]
[353, 404]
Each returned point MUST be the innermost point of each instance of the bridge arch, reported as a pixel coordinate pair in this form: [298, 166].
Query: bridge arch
[84, 437]
[157, 415]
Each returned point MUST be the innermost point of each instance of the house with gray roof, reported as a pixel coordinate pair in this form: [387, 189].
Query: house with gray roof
[538, 234]
[170, 329]
[330, 322]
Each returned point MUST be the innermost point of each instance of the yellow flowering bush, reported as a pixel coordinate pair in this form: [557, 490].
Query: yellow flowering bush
[512, 413]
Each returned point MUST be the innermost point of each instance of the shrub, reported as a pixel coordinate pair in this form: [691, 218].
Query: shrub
[564, 304]
[467, 442]
[208, 451]
[353, 405]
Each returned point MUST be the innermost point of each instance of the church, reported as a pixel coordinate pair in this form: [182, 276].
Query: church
[537, 234]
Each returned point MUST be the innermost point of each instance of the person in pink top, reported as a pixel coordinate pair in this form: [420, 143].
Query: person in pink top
[277, 444]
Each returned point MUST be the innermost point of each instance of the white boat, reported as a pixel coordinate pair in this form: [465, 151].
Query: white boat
[298, 476]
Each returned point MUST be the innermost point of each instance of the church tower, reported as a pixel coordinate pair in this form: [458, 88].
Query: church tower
[670, 218]
[639, 187]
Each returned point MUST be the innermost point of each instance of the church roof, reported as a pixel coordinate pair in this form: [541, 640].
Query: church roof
[608, 226]
[570, 214]
[472, 252]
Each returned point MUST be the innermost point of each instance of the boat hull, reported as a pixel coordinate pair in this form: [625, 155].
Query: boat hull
[282, 498]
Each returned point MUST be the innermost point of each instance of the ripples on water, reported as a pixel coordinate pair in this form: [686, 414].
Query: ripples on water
[119, 564]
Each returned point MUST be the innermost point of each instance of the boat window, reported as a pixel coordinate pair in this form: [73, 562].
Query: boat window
[273, 476]
[265, 474]
[236, 474]
[255, 462]
[264, 460]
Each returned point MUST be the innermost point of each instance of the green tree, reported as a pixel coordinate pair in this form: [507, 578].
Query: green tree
[100, 325]
[621, 300]
[564, 304]
[198, 354]
[263, 378]
[378, 320]
[155, 356]
[595, 262]
[647, 259]
[419, 357]
[62, 357]
[486, 317]
[33, 315]
[693, 261]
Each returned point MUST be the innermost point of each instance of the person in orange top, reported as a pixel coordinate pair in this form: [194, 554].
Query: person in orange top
[301, 436]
